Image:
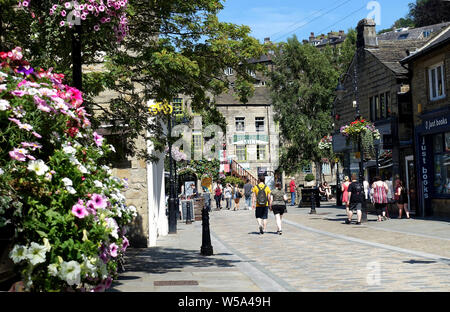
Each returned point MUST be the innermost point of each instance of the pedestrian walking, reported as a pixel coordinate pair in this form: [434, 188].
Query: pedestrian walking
[248, 194]
[228, 195]
[401, 197]
[237, 195]
[278, 205]
[380, 190]
[260, 203]
[292, 187]
[356, 194]
[390, 195]
[345, 199]
[218, 196]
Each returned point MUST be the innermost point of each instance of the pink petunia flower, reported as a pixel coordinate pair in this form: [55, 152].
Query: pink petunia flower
[99, 201]
[113, 249]
[90, 206]
[98, 139]
[79, 211]
[125, 243]
[18, 154]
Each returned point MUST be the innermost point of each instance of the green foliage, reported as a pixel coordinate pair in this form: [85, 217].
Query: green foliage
[309, 177]
[302, 90]
[428, 12]
[234, 180]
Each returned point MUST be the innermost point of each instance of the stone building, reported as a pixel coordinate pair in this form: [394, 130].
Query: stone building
[380, 85]
[430, 87]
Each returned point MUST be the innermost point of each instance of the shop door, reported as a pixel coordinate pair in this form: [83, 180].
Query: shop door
[411, 184]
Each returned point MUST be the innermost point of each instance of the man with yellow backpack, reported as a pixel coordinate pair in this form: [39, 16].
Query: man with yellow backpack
[260, 203]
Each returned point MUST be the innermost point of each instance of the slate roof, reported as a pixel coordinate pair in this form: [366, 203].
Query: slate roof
[434, 43]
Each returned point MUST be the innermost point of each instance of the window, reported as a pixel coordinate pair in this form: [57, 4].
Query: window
[426, 33]
[403, 36]
[240, 124]
[259, 124]
[377, 107]
[373, 115]
[177, 106]
[436, 82]
[307, 169]
[388, 103]
[252, 73]
[197, 142]
[261, 152]
[380, 106]
[229, 71]
[241, 152]
[441, 144]
[326, 169]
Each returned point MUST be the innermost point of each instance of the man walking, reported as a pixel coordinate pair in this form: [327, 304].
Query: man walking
[356, 196]
[248, 194]
[292, 189]
[260, 203]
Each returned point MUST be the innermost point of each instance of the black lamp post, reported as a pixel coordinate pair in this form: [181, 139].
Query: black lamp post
[173, 211]
[340, 91]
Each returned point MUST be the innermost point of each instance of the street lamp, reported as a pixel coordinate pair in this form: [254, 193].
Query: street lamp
[340, 91]
[172, 196]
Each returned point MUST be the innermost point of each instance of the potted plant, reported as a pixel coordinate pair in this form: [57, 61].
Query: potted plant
[364, 132]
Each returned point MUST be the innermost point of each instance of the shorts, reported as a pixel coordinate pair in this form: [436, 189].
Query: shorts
[262, 212]
[355, 206]
[379, 208]
[279, 209]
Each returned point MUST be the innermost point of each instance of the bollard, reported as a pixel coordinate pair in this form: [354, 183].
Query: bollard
[206, 249]
[188, 213]
[313, 201]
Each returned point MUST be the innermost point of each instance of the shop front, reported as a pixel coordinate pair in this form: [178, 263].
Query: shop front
[433, 164]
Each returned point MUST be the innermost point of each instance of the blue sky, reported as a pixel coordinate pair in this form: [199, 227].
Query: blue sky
[280, 19]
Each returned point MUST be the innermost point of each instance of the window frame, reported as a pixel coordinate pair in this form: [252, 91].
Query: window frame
[434, 78]
[237, 122]
[259, 119]
[259, 147]
[241, 148]
[175, 103]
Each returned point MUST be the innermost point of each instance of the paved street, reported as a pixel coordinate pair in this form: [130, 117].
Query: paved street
[315, 253]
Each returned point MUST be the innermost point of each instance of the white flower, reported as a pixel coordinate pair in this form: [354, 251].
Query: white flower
[112, 225]
[89, 266]
[38, 166]
[69, 150]
[67, 182]
[53, 269]
[71, 190]
[4, 105]
[47, 245]
[82, 169]
[112, 148]
[1, 171]
[36, 253]
[70, 272]
[97, 183]
[74, 161]
[18, 253]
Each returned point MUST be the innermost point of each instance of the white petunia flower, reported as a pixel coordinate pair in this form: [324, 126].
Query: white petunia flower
[71, 190]
[70, 272]
[18, 253]
[53, 269]
[82, 169]
[69, 150]
[97, 183]
[38, 166]
[36, 253]
[4, 105]
[67, 182]
[1, 171]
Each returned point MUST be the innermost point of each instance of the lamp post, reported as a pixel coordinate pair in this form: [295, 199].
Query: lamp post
[340, 91]
[172, 199]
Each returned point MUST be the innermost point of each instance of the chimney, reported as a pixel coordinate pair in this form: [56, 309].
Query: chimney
[330, 35]
[267, 40]
[367, 37]
[341, 33]
[322, 36]
[312, 37]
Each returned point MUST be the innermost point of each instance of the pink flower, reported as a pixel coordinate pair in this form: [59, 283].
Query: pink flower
[125, 243]
[36, 135]
[91, 207]
[113, 248]
[79, 211]
[98, 139]
[18, 154]
[99, 201]
[19, 93]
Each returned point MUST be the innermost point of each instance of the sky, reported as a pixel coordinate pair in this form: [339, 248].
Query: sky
[281, 19]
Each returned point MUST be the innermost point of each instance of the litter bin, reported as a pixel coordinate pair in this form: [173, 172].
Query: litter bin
[307, 194]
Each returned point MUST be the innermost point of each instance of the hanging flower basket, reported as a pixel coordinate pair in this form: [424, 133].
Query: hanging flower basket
[326, 143]
[364, 130]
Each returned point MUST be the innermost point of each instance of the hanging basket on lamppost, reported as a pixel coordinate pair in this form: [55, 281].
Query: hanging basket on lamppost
[363, 130]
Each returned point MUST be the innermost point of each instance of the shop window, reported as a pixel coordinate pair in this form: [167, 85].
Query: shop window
[382, 106]
[436, 82]
[388, 103]
[241, 152]
[261, 152]
[442, 163]
[229, 71]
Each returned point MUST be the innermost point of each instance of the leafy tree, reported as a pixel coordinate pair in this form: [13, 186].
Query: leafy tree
[302, 90]
[429, 12]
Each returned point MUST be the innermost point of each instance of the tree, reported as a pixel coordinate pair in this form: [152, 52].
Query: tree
[429, 12]
[302, 91]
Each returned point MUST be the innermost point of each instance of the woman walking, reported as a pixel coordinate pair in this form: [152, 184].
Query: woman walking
[401, 198]
[278, 205]
[228, 195]
[345, 199]
[237, 197]
[380, 190]
[218, 196]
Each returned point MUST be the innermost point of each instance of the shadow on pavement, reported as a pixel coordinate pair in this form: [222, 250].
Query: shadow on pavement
[158, 260]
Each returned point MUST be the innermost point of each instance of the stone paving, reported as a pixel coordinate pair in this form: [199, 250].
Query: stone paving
[317, 253]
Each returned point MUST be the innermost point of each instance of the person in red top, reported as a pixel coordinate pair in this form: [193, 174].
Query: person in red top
[292, 189]
[218, 196]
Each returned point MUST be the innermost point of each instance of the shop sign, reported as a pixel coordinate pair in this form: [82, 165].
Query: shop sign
[435, 123]
[250, 139]
[425, 174]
